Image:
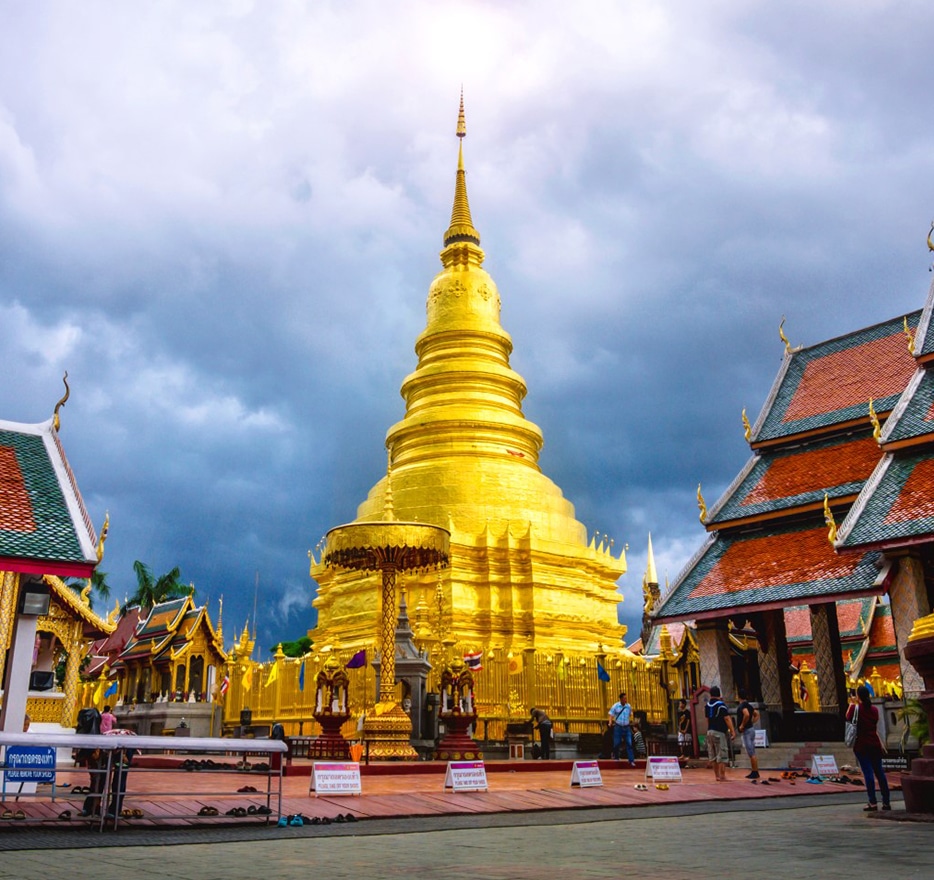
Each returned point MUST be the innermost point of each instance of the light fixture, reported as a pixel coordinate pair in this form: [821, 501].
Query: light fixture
[34, 598]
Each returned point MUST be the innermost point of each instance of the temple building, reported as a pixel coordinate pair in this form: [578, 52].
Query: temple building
[774, 555]
[161, 666]
[45, 535]
[526, 583]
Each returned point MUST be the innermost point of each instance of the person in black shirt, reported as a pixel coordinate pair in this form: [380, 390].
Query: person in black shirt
[746, 717]
[719, 733]
[685, 739]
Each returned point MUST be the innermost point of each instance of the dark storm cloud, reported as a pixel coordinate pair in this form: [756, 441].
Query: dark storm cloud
[223, 222]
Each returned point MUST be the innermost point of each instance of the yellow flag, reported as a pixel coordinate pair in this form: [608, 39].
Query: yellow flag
[98, 698]
[247, 683]
[273, 675]
[515, 665]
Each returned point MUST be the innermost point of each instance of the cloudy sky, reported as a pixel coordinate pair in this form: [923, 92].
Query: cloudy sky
[222, 219]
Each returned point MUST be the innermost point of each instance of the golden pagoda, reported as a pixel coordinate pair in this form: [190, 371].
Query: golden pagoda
[523, 574]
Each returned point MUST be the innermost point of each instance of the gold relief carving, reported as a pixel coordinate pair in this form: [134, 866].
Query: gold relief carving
[484, 292]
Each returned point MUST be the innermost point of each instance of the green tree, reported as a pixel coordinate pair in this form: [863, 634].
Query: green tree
[297, 648]
[151, 590]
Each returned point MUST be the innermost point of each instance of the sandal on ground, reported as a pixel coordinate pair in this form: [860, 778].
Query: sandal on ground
[662, 786]
[870, 808]
[19, 814]
[65, 815]
[7, 814]
[350, 817]
[263, 811]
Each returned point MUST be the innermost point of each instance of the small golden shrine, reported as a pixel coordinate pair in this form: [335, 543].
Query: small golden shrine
[458, 713]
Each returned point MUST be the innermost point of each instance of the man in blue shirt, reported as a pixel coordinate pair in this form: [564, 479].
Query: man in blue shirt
[620, 720]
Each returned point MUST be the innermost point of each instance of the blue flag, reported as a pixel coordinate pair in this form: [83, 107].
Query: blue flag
[602, 674]
[111, 690]
[301, 677]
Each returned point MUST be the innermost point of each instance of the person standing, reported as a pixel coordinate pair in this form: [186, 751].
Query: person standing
[620, 720]
[685, 738]
[746, 717]
[543, 723]
[108, 720]
[719, 733]
[868, 747]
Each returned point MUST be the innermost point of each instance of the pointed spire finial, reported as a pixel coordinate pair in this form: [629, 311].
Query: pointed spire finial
[461, 119]
[56, 421]
[461, 228]
[747, 428]
[701, 505]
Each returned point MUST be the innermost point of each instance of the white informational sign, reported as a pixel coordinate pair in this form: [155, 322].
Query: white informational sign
[465, 776]
[762, 739]
[332, 777]
[586, 773]
[824, 765]
[663, 768]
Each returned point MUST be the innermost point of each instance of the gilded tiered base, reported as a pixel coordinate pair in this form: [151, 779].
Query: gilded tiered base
[388, 732]
[456, 745]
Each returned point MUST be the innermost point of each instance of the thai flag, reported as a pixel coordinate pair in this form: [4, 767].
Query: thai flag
[225, 684]
[473, 659]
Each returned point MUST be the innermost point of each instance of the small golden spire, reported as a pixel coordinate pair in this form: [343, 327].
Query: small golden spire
[104, 530]
[701, 505]
[56, 421]
[876, 427]
[829, 520]
[461, 228]
[910, 336]
[747, 428]
[784, 338]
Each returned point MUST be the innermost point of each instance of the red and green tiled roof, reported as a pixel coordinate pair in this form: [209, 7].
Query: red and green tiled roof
[44, 527]
[781, 481]
[832, 382]
[882, 632]
[913, 417]
[157, 630]
[786, 566]
[853, 616]
[896, 507]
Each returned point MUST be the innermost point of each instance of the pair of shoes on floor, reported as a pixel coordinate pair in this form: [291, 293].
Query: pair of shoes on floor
[208, 811]
[236, 811]
[11, 814]
[641, 786]
[662, 786]
[246, 788]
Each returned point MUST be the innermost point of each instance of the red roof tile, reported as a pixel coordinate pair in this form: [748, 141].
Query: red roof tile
[15, 507]
[819, 468]
[841, 379]
[798, 624]
[916, 499]
[775, 561]
[882, 634]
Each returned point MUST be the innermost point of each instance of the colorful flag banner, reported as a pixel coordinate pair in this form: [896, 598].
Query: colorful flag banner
[358, 660]
[602, 674]
[112, 689]
[301, 677]
[514, 664]
[225, 685]
[473, 660]
[248, 679]
[274, 675]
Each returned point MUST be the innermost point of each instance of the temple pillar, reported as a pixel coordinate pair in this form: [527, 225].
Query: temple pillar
[716, 665]
[774, 670]
[72, 678]
[9, 586]
[530, 677]
[828, 657]
[908, 598]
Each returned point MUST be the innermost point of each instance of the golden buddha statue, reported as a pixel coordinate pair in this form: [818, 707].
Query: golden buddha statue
[523, 575]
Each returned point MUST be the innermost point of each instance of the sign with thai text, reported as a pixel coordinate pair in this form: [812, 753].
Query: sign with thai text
[586, 773]
[29, 764]
[823, 765]
[762, 738]
[332, 777]
[466, 776]
[663, 768]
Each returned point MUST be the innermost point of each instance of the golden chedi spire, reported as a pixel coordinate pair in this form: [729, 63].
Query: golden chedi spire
[461, 228]
[464, 457]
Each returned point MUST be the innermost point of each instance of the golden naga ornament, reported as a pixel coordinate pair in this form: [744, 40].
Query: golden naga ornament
[702, 506]
[876, 425]
[781, 334]
[829, 520]
[747, 428]
[909, 336]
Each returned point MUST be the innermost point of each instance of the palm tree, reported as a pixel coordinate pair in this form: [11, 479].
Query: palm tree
[98, 583]
[151, 590]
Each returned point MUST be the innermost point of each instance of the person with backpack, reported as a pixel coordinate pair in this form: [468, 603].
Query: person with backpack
[746, 717]
[719, 733]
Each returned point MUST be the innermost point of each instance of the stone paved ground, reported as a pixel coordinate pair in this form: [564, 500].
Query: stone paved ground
[797, 836]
